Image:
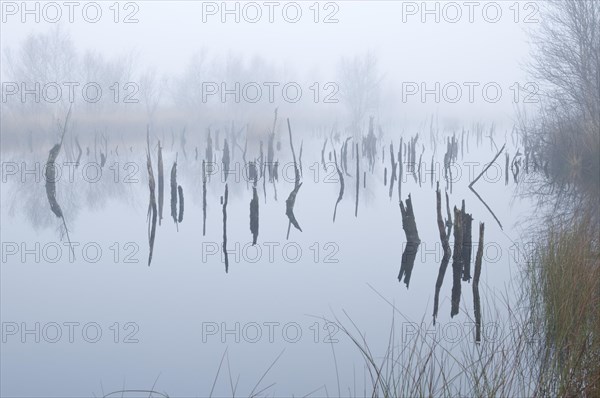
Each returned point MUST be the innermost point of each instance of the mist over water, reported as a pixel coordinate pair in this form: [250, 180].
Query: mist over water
[195, 195]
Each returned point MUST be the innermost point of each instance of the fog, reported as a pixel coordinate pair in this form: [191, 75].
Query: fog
[237, 165]
[461, 48]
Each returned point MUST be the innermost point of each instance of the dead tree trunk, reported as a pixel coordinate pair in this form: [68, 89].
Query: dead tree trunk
[447, 252]
[456, 262]
[476, 300]
[467, 245]
[412, 241]
[224, 245]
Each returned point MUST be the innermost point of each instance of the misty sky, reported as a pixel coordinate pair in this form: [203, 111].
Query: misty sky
[169, 33]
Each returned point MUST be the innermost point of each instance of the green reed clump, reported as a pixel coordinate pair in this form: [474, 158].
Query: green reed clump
[565, 283]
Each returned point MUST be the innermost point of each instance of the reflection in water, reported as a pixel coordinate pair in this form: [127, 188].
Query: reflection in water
[79, 152]
[506, 168]
[224, 199]
[271, 150]
[516, 165]
[401, 169]
[161, 184]
[478, 177]
[431, 171]
[174, 193]
[344, 159]
[412, 155]
[476, 300]
[446, 248]
[254, 212]
[323, 155]
[369, 145]
[385, 176]
[420, 164]
[300, 157]
[152, 211]
[226, 159]
[51, 178]
[449, 219]
[291, 200]
[209, 147]
[180, 193]
[399, 173]
[104, 190]
[394, 177]
[357, 182]
[456, 261]
[413, 241]
[183, 141]
[204, 197]
[467, 245]
[341, 177]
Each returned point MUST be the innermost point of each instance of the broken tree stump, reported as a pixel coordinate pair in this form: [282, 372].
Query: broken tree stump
[447, 252]
[467, 244]
[476, 300]
[413, 241]
[456, 262]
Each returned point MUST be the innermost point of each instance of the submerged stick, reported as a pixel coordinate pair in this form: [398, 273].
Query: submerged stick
[323, 155]
[226, 159]
[300, 156]
[467, 245]
[413, 241]
[487, 167]
[419, 167]
[203, 198]
[180, 192]
[487, 207]
[341, 177]
[456, 262]
[174, 192]
[447, 252]
[291, 200]
[225, 198]
[394, 165]
[449, 219]
[152, 211]
[432, 171]
[254, 215]
[296, 172]
[209, 148]
[270, 155]
[50, 174]
[344, 161]
[289, 209]
[400, 171]
[476, 299]
[161, 184]
[79, 152]
[357, 182]
[506, 169]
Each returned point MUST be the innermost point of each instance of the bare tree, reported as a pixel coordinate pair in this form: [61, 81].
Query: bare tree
[151, 89]
[359, 87]
[567, 57]
[187, 89]
[43, 57]
[564, 141]
[40, 59]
